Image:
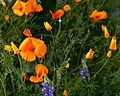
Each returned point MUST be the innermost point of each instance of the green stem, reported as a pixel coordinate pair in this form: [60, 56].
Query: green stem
[100, 68]
[4, 90]
[59, 28]
[21, 69]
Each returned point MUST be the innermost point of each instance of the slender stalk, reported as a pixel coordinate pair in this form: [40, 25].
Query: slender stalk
[4, 89]
[100, 68]
[59, 27]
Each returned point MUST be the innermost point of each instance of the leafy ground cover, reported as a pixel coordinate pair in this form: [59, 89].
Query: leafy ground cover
[59, 48]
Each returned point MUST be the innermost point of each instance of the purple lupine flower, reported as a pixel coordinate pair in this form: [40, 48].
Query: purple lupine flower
[47, 89]
[85, 73]
[60, 0]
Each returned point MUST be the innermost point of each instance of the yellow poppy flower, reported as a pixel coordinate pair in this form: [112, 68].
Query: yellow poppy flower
[67, 66]
[65, 93]
[106, 34]
[7, 47]
[109, 54]
[47, 26]
[14, 48]
[90, 54]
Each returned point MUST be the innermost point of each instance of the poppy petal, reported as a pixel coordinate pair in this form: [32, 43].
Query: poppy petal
[36, 41]
[17, 12]
[35, 79]
[38, 66]
[40, 71]
[28, 55]
[15, 49]
[57, 14]
[40, 50]
[27, 32]
[38, 8]
[26, 45]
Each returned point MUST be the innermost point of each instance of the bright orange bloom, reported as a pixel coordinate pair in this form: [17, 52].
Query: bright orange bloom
[18, 7]
[77, 0]
[32, 47]
[40, 70]
[47, 26]
[90, 54]
[57, 14]
[27, 32]
[65, 93]
[67, 7]
[7, 47]
[106, 34]
[109, 54]
[7, 17]
[31, 6]
[113, 45]
[98, 15]
[14, 48]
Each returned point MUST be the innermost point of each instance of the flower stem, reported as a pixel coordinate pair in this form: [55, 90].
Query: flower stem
[101, 68]
[59, 27]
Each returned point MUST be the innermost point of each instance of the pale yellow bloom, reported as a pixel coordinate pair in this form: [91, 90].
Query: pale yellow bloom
[14, 48]
[109, 54]
[106, 33]
[65, 93]
[47, 26]
[7, 47]
[90, 54]
[67, 66]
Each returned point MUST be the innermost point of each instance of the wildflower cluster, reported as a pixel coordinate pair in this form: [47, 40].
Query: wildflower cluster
[47, 46]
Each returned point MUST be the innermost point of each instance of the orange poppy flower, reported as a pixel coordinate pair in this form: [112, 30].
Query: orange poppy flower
[90, 54]
[77, 1]
[65, 93]
[18, 7]
[40, 70]
[31, 6]
[32, 47]
[67, 7]
[109, 54]
[106, 34]
[27, 32]
[15, 49]
[113, 45]
[7, 47]
[7, 17]
[57, 14]
[98, 15]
